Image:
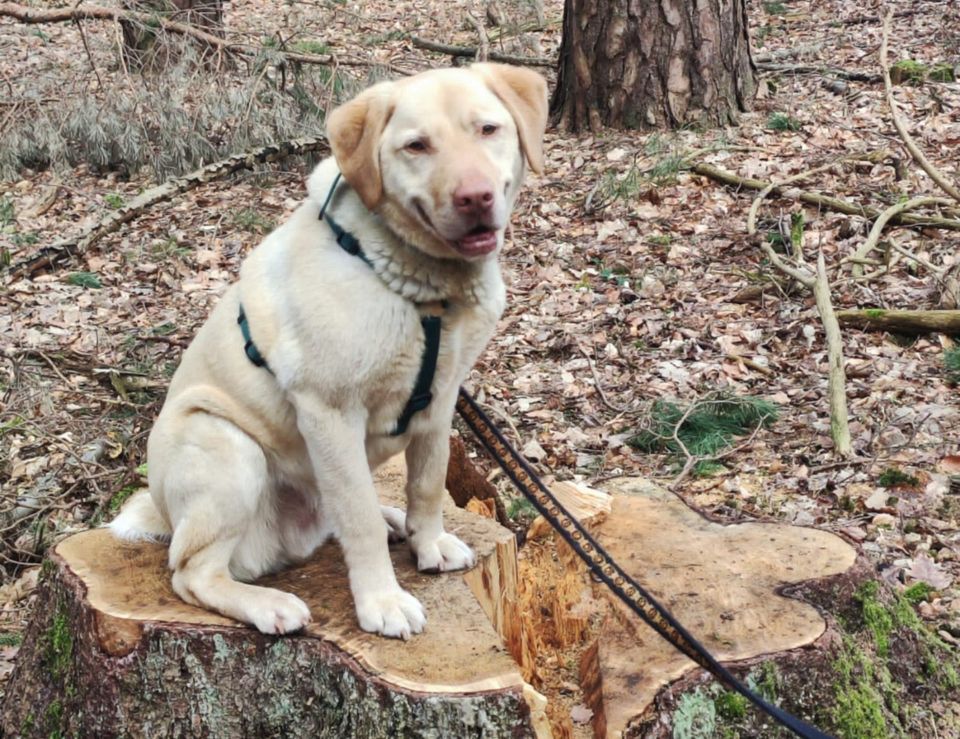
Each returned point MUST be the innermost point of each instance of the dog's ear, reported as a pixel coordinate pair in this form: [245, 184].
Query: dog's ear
[354, 131]
[524, 93]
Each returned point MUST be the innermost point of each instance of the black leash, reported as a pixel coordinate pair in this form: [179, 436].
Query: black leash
[605, 568]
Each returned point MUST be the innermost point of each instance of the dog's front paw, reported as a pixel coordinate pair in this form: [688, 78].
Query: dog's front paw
[396, 523]
[394, 613]
[443, 554]
[275, 612]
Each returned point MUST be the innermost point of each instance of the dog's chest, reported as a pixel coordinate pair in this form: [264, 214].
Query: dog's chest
[465, 330]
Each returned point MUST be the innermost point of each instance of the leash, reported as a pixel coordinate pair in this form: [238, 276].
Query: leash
[601, 564]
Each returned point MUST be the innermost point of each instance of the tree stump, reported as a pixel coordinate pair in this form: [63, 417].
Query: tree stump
[725, 583]
[112, 651]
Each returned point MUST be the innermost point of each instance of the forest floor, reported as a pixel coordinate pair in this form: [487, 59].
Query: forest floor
[631, 279]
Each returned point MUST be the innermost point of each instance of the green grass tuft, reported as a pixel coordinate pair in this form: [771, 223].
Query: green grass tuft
[11, 639]
[783, 122]
[951, 362]
[85, 279]
[706, 428]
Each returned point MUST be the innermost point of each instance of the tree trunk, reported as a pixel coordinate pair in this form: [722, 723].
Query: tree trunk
[653, 64]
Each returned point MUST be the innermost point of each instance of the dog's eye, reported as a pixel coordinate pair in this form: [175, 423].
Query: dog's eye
[417, 145]
[488, 129]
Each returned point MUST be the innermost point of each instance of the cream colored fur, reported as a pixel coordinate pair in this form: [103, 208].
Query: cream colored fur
[250, 471]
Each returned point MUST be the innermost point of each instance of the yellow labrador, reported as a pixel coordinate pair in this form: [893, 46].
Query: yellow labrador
[264, 448]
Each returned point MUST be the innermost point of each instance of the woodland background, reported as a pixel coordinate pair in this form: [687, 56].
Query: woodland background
[632, 277]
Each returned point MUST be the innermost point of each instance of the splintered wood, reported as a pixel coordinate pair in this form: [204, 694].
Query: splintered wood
[720, 581]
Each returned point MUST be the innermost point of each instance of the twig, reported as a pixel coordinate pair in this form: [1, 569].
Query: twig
[836, 378]
[874, 156]
[483, 52]
[470, 52]
[935, 174]
[878, 225]
[53, 255]
[822, 201]
[597, 384]
[83, 37]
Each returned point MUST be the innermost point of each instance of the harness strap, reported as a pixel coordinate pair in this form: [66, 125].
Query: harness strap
[249, 348]
[347, 241]
[422, 394]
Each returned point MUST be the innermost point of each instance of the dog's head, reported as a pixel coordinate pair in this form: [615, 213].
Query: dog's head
[441, 155]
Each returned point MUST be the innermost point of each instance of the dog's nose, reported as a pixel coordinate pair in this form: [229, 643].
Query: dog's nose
[473, 196]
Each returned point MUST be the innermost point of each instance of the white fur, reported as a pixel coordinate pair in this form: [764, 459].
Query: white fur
[251, 470]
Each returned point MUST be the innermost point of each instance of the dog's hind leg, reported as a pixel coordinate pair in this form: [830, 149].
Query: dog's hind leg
[216, 487]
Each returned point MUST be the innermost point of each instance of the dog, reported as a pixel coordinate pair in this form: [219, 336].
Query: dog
[270, 431]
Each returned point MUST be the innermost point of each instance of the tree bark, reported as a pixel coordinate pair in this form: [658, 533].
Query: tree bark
[653, 64]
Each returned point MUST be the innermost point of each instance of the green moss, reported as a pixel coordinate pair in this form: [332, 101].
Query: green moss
[53, 717]
[951, 362]
[11, 640]
[731, 706]
[941, 73]
[59, 644]
[858, 713]
[917, 593]
[894, 477]
[908, 70]
[120, 497]
[876, 617]
[874, 313]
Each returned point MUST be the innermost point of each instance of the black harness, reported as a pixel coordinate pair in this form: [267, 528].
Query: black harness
[422, 394]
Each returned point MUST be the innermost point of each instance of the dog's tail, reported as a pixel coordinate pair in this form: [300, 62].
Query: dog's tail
[141, 520]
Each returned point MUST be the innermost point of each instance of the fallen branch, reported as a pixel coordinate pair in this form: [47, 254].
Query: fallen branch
[50, 256]
[471, 53]
[935, 174]
[873, 156]
[836, 375]
[825, 71]
[26, 14]
[860, 255]
[902, 321]
[483, 53]
[822, 201]
[819, 284]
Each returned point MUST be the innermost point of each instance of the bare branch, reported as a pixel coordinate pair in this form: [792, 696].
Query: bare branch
[935, 174]
[52, 255]
[860, 255]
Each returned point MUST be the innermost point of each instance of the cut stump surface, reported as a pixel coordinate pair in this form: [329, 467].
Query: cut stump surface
[113, 651]
[723, 582]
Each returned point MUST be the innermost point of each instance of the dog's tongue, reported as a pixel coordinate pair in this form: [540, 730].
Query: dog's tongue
[477, 244]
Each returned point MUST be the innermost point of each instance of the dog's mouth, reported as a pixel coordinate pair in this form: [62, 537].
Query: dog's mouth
[477, 242]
